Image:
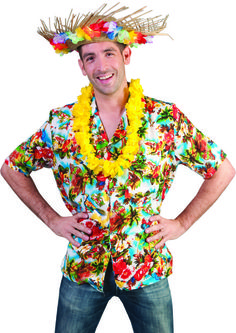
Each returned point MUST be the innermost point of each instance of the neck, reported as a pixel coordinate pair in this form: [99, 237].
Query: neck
[113, 104]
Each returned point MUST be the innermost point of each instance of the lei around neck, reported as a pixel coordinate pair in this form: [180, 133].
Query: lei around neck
[82, 114]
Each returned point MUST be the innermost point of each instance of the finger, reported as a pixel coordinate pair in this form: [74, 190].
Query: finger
[155, 237]
[79, 234]
[160, 244]
[155, 218]
[82, 215]
[81, 227]
[73, 241]
[153, 228]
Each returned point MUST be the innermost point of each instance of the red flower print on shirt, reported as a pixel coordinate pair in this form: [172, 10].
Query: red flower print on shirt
[141, 272]
[176, 112]
[119, 266]
[210, 173]
[201, 143]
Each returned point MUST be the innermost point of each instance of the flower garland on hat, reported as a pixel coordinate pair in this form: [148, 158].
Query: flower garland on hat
[82, 114]
[110, 29]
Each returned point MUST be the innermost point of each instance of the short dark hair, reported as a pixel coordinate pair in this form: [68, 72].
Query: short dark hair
[120, 45]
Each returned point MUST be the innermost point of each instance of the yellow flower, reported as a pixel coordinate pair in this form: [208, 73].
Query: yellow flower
[103, 221]
[82, 113]
[132, 35]
[120, 284]
[81, 34]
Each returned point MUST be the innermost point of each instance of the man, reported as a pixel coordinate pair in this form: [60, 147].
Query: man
[114, 155]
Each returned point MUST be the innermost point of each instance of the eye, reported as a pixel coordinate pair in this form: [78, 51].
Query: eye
[89, 59]
[109, 54]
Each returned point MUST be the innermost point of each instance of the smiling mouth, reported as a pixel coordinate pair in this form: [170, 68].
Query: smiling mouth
[105, 77]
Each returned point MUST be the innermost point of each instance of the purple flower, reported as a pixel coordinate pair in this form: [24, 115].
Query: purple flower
[60, 38]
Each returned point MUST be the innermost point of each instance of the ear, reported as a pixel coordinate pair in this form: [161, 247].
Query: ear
[81, 65]
[127, 55]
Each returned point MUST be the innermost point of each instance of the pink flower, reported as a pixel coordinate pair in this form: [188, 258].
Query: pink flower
[169, 138]
[176, 112]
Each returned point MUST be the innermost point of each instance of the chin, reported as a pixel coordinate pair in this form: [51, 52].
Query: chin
[106, 90]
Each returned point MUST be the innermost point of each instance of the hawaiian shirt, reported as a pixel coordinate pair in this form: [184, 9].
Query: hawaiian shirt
[119, 208]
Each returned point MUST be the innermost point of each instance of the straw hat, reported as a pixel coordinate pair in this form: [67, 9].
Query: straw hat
[102, 25]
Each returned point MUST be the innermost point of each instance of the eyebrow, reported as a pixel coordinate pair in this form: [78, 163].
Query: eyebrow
[88, 54]
[85, 55]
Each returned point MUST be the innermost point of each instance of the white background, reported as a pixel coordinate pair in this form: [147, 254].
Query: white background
[196, 71]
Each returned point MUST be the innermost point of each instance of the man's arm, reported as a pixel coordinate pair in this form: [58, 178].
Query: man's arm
[27, 191]
[208, 193]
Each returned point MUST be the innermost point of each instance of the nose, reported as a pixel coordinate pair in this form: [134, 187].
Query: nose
[101, 64]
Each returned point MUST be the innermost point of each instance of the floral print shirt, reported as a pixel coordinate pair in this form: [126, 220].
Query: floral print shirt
[119, 208]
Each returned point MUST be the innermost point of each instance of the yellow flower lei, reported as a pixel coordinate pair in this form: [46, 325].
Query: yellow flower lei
[81, 113]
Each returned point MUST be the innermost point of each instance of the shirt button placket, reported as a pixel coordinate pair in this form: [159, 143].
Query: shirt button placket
[106, 189]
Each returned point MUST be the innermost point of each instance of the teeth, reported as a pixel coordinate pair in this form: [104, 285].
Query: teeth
[105, 77]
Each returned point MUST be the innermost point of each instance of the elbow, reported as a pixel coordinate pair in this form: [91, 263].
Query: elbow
[228, 171]
[233, 172]
[225, 173]
[3, 170]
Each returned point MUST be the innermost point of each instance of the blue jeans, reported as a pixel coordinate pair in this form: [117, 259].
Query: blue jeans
[80, 307]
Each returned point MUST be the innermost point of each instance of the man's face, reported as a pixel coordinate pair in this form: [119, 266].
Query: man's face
[104, 64]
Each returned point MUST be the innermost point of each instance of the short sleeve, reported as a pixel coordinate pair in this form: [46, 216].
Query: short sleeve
[194, 149]
[33, 154]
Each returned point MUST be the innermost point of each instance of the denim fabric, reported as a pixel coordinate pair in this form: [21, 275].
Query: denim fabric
[80, 307]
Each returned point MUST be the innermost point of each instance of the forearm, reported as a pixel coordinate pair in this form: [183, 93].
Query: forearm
[27, 191]
[208, 193]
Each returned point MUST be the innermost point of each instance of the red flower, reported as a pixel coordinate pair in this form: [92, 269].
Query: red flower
[151, 106]
[97, 233]
[141, 272]
[45, 153]
[148, 258]
[169, 138]
[69, 207]
[89, 224]
[77, 179]
[176, 112]
[140, 38]
[14, 156]
[210, 173]
[156, 172]
[103, 135]
[109, 155]
[160, 271]
[126, 274]
[200, 143]
[101, 178]
[91, 33]
[65, 146]
[163, 192]
[59, 46]
[99, 26]
[37, 135]
[119, 266]
[127, 194]
[120, 133]
[84, 275]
